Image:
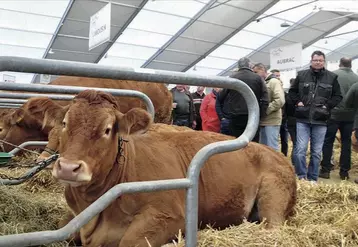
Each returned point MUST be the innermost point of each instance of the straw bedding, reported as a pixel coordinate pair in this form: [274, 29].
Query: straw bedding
[327, 214]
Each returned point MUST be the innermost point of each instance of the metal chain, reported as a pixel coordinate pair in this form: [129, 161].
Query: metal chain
[122, 158]
[44, 163]
[36, 169]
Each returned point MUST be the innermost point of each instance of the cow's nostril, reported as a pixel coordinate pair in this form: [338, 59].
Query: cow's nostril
[77, 168]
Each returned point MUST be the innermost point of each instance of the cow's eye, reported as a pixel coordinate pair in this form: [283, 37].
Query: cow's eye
[108, 130]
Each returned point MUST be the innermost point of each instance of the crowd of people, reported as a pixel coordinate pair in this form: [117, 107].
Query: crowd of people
[318, 103]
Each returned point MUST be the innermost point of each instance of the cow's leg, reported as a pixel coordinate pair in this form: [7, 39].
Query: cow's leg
[273, 199]
[152, 226]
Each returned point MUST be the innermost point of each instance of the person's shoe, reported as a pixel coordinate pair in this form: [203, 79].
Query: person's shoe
[344, 175]
[324, 175]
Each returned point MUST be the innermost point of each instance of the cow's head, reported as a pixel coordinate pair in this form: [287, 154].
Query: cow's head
[4, 119]
[31, 122]
[88, 141]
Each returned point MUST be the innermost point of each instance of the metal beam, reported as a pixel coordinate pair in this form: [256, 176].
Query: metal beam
[131, 18]
[326, 33]
[180, 32]
[253, 18]
[291, 28]
[285, 10]
[60, 24]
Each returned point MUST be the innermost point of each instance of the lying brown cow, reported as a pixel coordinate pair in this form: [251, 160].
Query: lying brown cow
[24, 125]
[90, 164]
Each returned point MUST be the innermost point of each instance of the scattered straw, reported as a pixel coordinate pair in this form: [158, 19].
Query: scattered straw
[22, 211]
[327, 215]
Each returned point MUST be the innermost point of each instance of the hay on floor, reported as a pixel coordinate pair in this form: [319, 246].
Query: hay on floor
[22, 211]
[326, 215]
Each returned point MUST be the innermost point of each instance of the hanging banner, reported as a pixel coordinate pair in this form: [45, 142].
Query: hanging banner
[100, 27]
[286, 57]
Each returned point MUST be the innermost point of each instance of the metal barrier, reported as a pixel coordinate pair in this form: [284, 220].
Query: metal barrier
[56, 67]
[29, 143]
[75, 90]
[31, 95]
[8, 105]
[13, 101]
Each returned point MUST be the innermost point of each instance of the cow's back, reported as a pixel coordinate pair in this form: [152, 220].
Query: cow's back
[157, 92]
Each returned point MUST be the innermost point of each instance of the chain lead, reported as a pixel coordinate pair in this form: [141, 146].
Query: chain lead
[40, 166]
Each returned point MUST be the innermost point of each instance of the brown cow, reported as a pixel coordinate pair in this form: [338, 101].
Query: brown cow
[26, 124]
[90, 164]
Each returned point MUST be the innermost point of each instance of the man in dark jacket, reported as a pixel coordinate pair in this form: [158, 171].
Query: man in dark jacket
[231, 106]
[183, 113]
[315, 92]
[341, 119]
[351, 101]
[198, 97]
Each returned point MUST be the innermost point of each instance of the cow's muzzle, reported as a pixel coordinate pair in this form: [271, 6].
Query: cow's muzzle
[72, 172]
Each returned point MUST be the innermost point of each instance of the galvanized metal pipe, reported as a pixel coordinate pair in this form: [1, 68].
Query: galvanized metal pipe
[46, 237]
[101, 71]
[26, 144]
[31, 95]
[9, 105]
[11, 101]
[75, 90]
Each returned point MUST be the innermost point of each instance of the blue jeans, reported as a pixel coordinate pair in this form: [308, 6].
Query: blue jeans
[181, 122]
[269, 136]
[316, 134]
[225, 127]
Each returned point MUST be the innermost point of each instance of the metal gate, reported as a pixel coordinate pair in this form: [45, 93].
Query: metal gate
[190, 183]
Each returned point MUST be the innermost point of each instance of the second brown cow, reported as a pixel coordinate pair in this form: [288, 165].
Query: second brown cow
[27, 122]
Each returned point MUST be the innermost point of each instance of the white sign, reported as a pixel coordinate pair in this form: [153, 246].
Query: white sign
[286, 57]
[9, 78]
[100, 27]
[45, 78]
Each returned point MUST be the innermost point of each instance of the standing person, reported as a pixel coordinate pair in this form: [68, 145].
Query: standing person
[315, 92]
[351, 101]
[209, 117]
[270, 124]
[198, 97]
[283, 127]
[291, 120]
[341, 119]
[183, 107]
[231, 106]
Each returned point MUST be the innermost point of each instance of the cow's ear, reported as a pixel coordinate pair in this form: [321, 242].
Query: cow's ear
[135, 121]
[17, 116]
[46, 111]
